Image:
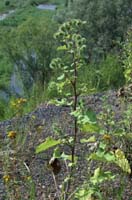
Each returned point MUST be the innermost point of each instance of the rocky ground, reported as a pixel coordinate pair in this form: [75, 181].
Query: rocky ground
[38, 125]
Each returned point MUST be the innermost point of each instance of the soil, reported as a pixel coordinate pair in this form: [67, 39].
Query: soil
[41, 124]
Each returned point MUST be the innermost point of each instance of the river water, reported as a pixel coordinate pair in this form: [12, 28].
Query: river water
[46, 6]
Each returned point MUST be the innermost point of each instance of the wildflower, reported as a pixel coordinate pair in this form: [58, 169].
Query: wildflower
[22, 100]
[6, 178]
[11, 134]
[107, 137]
[16, 103]
[28, 178]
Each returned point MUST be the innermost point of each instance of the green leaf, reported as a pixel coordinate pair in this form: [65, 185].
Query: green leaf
[109, 157]
[62, 48]
[68, 157]
[94, 179]
[91, 139]
[102, 145]
[50, 142]
[90, 128]
[61, 77]
[57, 153]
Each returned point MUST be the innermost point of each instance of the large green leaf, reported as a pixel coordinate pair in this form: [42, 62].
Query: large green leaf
[90, 128]
[50, 142]
[91, 140]
[62, 48]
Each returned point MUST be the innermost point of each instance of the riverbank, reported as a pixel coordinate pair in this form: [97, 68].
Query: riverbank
[43, 7]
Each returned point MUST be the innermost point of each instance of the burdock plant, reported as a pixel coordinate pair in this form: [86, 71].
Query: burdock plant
[72, 46]
[68, 66]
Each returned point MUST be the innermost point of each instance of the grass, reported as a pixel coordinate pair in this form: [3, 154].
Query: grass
[23, 14]
[25, 10]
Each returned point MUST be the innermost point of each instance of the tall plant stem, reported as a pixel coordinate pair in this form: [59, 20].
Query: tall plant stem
[74, 86]
[74, 109]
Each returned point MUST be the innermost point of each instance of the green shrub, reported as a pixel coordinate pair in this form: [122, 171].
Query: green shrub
[111, 72]
[108, 74]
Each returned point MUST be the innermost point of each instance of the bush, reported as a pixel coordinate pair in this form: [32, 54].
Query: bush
[111, 72]
[108, 74]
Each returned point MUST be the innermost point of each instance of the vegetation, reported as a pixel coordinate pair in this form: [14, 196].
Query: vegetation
[74, 44]
[102, 56]
[107, 24]
[94, 54]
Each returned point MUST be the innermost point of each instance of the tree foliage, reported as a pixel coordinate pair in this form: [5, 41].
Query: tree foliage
[107, 23]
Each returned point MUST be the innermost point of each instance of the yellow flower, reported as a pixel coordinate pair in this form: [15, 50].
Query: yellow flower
[21, 100]
[24, 100]
[107, 137]
[28, 178]
[18, 101]
[6, 178]
[11, 134]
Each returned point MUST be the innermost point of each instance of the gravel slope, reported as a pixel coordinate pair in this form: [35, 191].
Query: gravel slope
[45, 116]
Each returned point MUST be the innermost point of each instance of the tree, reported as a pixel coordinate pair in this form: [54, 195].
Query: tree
[107, 23]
